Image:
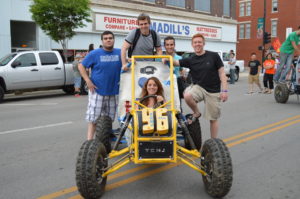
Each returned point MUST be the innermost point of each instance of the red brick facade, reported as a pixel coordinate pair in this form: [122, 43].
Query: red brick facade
[287, 16]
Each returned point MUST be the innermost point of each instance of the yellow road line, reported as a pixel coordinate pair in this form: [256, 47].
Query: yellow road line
[163, 168]
[133, 178]
[120, 174]
[59, 193]
[117, 175]
[260, 129]
[138, 177]
[262, 133]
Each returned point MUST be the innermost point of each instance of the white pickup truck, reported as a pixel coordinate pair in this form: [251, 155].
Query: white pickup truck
[239, 65]
[34, 70]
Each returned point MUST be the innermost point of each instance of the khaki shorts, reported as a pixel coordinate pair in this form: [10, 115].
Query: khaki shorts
[211, 100]
[253, 79]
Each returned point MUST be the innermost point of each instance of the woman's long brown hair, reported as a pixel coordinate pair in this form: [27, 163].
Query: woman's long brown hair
[160, 90]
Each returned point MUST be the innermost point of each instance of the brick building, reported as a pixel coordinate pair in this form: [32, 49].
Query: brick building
[282, 17]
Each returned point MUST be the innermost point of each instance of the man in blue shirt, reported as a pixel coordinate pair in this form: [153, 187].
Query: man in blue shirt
[105, 64]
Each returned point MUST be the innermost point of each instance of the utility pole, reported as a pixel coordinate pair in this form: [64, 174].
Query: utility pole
[264, 30]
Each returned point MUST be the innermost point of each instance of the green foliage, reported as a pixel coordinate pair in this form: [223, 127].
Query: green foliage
[59, 18]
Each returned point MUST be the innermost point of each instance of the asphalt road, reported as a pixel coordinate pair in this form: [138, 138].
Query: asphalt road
[41, 133]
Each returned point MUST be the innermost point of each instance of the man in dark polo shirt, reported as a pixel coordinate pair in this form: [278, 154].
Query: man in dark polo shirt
[209, 83]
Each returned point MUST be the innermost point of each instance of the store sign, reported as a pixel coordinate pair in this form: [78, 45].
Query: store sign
[126, 24]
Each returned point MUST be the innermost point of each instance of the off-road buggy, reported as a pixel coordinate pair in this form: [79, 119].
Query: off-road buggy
[154, 139]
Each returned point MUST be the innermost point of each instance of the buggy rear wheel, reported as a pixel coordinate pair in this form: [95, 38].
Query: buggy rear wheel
[216, 162]
[90, 166]
[103, 131]
[195, 132]
[281, 93]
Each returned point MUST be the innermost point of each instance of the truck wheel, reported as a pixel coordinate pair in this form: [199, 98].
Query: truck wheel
[84, 88]
[216, 162]
[281, 93]
[195, 132]
[237, 75]
[1, 94]
[91, 162]
[103, 131]
[69, 89]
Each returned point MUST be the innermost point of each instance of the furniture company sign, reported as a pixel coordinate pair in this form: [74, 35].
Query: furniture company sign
[125, 24]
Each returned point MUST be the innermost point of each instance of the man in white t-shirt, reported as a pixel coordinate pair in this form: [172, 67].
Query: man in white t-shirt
[231, 63]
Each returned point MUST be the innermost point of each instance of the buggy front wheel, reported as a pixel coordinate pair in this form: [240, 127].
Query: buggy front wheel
[216, 162]
[91, 164]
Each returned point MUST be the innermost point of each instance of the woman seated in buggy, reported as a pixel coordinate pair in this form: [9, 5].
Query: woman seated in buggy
[152, 96]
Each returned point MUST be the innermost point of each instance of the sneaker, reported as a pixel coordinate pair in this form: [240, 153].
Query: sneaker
[77, 94]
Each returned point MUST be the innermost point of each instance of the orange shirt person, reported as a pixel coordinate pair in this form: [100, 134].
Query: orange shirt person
[269, 66]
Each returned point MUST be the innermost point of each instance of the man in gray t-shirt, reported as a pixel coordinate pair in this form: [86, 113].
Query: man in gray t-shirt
[145, 43]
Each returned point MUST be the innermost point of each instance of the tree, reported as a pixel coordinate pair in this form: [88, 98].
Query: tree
[59, 18]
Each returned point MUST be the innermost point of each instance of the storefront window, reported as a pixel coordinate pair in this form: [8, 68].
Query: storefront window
[177, 3]
[248, 8]
[152, 1]
[226, 7]
[248, 31]
[242, 31]
[274, 28]
[274, 5]
[202, 5]
[242, 9]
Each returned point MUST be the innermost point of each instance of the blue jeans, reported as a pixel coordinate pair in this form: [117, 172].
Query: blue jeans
[285, 60]
[77, 82]
[232, 76]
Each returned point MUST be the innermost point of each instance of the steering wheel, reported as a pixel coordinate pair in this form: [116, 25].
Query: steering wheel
[146, 97]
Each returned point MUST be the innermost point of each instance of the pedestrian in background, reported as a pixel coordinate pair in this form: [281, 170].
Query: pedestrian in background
[255, 67]
[91, 47]
[77, 76]
[269, 66]
[231, 63]
[287, 50]
[103, 84]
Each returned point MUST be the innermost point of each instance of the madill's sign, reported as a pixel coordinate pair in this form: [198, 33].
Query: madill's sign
[125, 24]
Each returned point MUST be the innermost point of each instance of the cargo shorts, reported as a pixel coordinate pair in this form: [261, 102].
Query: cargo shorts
[212, 101]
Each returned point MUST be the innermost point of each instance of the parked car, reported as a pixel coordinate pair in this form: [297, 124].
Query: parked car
[34, 70]
[239, 65]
